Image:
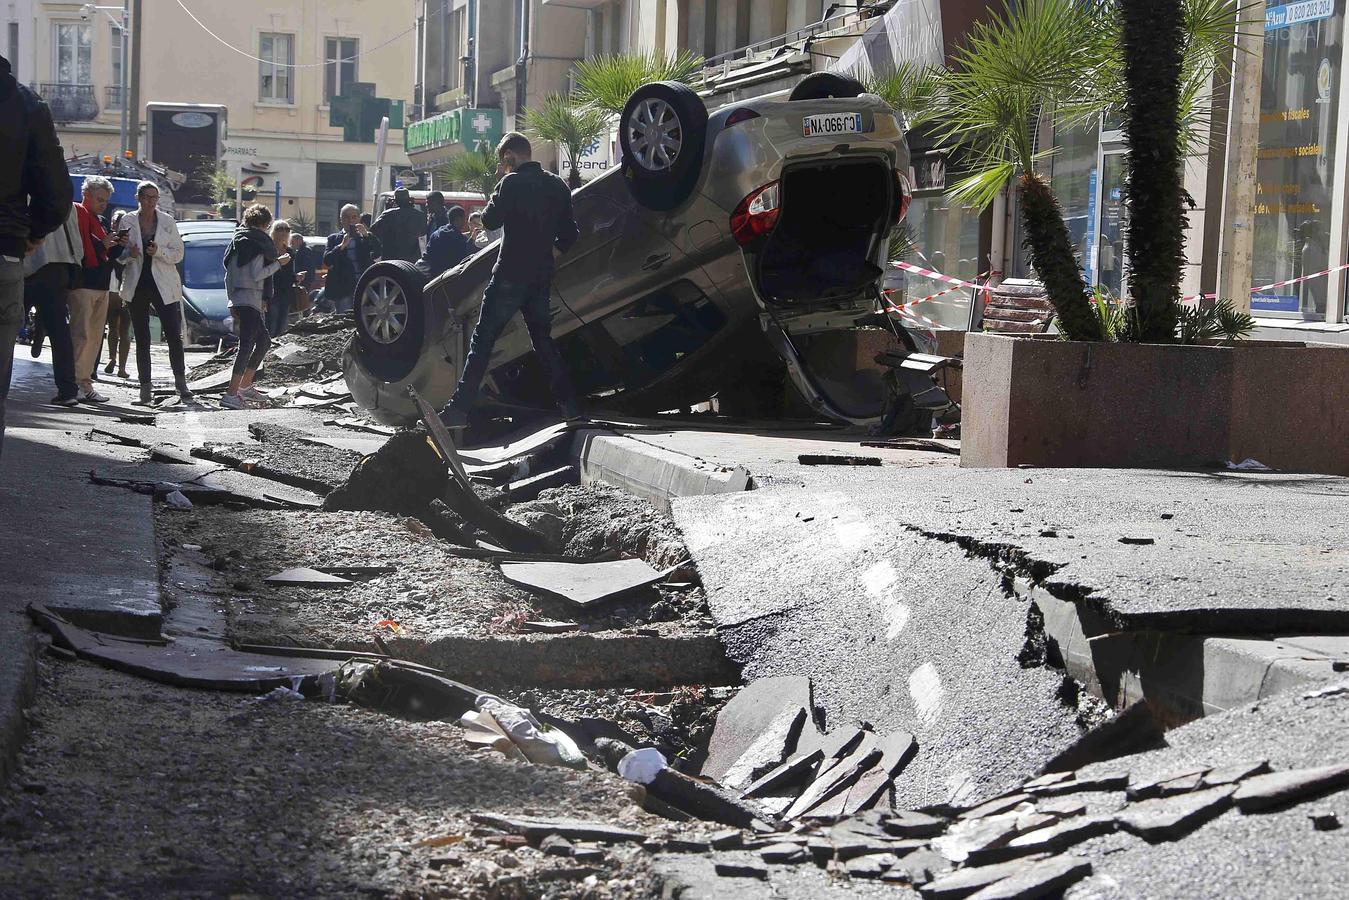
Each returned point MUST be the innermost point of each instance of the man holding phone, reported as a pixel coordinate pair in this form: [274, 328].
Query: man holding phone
[350, 252]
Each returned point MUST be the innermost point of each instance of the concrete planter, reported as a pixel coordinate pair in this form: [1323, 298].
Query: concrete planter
[1047, 402]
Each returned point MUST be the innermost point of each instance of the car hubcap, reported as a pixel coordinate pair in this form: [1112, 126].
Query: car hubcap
[655, 134]
[384, 310]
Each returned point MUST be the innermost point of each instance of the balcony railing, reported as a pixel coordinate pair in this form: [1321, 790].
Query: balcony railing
[70, 102]
[112, 97]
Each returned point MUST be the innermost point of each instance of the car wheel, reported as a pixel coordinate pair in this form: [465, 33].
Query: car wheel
[662, 133]
[390, 317]
[823, 85]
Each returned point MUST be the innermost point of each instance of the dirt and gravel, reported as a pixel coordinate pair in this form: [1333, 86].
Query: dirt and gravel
[325, 351]
[295, 453]
[597, 521]
[127, 788]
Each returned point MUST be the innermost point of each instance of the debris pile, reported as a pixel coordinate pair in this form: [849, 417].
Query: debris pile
[302, 369]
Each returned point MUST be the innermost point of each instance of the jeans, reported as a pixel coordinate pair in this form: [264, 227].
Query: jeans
[88, 316]
[170, 322]
[11, 319]
[46, 291]
[500, 302]
[278, 312]
[254, 342]
[119, 331]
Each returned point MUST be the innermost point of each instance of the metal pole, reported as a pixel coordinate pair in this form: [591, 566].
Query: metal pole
[122, 87]
[1237, 241]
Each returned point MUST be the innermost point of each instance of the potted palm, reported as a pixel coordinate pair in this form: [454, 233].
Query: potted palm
[1147, 381]
[475, 170]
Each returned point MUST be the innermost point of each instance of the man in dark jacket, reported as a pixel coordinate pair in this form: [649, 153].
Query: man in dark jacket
[436, 215]
[401, 228]
[448, 245]
[534, 209]
[35, 197]
[350, 252]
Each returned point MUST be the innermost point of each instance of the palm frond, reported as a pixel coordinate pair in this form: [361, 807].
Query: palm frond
[1210, 321]
[474, 171]
[559, 120]
[912, 88]
[608, 81]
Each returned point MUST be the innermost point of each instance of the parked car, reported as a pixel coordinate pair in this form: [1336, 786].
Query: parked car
[769, 218]
[468, 200]
[205, 304]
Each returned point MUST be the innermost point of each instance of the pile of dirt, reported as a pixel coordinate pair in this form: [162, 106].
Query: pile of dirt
[597, 521]
[403, 478]
[320, 353]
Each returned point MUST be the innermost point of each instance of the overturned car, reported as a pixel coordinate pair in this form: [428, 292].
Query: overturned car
[769, 219]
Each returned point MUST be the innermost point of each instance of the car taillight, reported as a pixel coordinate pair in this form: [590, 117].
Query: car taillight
[756, 215]
[740, 115]
[903, 195]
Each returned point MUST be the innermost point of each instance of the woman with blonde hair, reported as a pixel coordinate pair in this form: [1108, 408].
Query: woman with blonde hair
[153, 250]
[282, 296]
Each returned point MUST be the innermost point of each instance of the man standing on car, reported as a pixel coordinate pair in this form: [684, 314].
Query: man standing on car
[533, 207]
[35, 195]
[350, 252]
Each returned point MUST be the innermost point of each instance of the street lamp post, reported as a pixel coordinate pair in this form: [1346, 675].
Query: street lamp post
[87, 12]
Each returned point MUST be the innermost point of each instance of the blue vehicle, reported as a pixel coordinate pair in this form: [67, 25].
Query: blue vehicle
[205, 304]
[123, 194]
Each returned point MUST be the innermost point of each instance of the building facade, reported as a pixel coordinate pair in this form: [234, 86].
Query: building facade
[245, 86]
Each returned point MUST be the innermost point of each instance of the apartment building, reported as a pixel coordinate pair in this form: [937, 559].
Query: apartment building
[246, 85]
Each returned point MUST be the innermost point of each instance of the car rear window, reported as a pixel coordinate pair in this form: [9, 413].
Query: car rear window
[204, 265]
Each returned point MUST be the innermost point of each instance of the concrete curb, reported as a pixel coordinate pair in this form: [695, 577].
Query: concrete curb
[653, 473]
[18, 683]
[1183, 676]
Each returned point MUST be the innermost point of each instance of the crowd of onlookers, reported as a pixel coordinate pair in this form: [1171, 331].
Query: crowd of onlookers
[92, 280]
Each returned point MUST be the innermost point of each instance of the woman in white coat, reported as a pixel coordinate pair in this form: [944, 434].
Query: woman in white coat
[150, 283]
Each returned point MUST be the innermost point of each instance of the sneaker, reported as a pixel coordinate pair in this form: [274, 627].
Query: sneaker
[453, 418]
[123, 373]
[65, 401]
[233, 401]
[107, 370]
[252, 393]
[147, 395]
[92, 396]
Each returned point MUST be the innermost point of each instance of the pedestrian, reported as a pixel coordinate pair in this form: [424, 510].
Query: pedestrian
[437, 216]
[281, 290]
[119, 314]
[400, 229]
[250, 262]
[350, 252]
[35, 195]
[89, 299]
[478, 234]
[305, 262]
[153, 250]
[533, 209]
[448, 245]
[50, 271]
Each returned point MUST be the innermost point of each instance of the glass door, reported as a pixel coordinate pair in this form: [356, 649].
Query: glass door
[1111, 263]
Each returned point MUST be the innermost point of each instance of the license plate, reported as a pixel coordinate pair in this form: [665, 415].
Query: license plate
[831, 123]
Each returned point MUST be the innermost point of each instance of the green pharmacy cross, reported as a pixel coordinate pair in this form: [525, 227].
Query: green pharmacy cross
[358, 112]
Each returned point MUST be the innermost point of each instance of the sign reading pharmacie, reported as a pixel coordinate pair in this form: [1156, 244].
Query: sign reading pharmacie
[1290, 14]
[474, 129]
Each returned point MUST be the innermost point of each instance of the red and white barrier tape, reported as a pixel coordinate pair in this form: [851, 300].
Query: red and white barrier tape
[1269, 287]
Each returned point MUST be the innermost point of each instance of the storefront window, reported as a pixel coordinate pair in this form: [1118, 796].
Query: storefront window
[1073, 176]
[938, 234]
[1296, 161]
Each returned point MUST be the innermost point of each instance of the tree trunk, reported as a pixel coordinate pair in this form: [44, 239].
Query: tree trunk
[1051, 252]
[574, 177]
[1153, 39]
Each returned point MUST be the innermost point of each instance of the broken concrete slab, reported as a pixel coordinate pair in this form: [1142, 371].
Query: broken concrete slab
[536, 829]
[837, 778]
[871, 865]
[966, 881]
[1278, 789]
[1038, 880]
[769, 749]
[1054, 839]
[910, 824]
[834, 745]
[792, 772]
[784, 854]
[1153, 787]
[301, 576]
[922, 866]
[1167, 818]
[1231, 774]
[995, 806]
[1074, 785]
[896, 751]
[186, 662]
[582, 583]
[706, 801]
[747, 715]
[741, 870]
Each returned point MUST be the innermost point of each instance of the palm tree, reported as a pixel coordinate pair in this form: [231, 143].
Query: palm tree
[573, 126]
[475, 170]
[911, 88]
[606, 82]
[1015, 67]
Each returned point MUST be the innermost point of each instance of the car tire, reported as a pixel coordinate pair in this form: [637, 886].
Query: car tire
[823, 85]
[390, 318]
[662, 132]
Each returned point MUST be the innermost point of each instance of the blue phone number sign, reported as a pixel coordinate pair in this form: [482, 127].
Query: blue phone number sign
[1290, 14]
